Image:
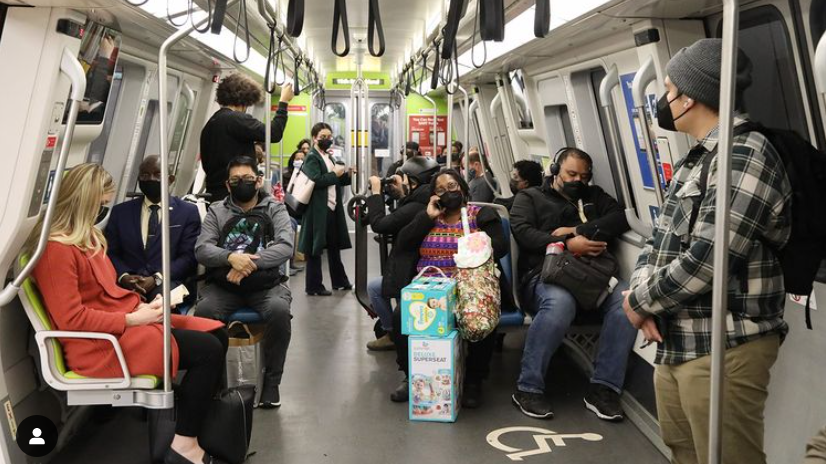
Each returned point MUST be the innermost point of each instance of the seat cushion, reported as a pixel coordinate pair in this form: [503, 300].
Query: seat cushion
[246, 315]
[143, 382]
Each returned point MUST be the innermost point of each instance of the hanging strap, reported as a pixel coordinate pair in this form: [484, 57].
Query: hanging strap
[542, 20]
[271, 71]
[340, 20]
[374, 26]
[218, 16]
[296, 81]
[434, 77]
[492, 19]
[465, 222]
[454, 16]
[295, 17]
[242, 11]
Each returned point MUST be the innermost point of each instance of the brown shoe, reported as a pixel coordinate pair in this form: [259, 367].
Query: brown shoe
[385, 343]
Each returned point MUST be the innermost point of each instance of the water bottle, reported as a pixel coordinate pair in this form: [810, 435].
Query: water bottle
[554, 248]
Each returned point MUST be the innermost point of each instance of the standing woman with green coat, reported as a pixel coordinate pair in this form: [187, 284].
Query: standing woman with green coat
[323, 225]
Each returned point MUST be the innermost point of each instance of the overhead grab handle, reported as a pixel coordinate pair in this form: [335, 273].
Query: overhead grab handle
[218, 16]
[340, 21]
[295, 18]
[542, 20]
[454, 16]
[492, 19]
[70, 66]
[374, 27]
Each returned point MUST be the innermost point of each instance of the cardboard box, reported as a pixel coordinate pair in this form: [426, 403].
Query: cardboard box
[428, 304]
[435, 377]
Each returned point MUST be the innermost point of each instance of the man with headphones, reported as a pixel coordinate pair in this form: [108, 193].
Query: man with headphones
[567, 210]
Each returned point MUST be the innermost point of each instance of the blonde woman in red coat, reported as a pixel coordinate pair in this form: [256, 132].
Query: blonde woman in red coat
[80, 290]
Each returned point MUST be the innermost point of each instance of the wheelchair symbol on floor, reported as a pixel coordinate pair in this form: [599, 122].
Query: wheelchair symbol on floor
[542, 437]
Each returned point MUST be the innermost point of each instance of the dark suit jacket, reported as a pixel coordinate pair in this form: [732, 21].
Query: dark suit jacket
[123, 234]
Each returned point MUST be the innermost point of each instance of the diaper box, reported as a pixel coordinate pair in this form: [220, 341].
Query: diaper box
[435, 377]
[428, 304]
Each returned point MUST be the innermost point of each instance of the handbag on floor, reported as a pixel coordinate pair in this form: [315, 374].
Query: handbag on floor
[245, 355]
[227, 428]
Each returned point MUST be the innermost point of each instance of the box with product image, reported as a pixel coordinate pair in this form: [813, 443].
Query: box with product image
[428, 304]
[435, 377]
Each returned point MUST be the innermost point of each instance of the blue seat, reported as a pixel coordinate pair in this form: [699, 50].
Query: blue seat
[511, 316]
[246, 316]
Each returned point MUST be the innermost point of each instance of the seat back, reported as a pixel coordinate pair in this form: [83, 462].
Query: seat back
[39, 318]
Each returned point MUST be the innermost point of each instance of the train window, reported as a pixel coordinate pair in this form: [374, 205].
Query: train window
[379, 135]
[522, 111]
[335, 114]
[176, 146]
[98, 56]
[560, 130]
[817, 13]
[97, 150]
[774, 97]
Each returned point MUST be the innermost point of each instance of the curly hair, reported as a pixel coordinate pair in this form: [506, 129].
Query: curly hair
[238, 89]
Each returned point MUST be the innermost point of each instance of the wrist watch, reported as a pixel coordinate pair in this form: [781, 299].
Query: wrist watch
[158, 279]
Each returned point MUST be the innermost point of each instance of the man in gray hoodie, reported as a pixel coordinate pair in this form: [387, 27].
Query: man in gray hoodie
[244, 241]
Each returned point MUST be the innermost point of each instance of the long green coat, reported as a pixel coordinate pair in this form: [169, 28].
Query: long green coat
[314, 223]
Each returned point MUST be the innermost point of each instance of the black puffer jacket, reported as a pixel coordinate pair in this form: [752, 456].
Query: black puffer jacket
[408, 208]
[537, 212]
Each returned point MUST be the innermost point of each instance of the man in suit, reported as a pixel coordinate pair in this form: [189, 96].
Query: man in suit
[133, 234]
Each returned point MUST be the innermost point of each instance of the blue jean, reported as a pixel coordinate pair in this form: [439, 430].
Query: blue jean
[555, 309]
[381, 305]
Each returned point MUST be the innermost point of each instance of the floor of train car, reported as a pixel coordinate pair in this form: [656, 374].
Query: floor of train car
[336, 406]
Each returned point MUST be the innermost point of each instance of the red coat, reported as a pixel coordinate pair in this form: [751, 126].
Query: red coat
[81, 293]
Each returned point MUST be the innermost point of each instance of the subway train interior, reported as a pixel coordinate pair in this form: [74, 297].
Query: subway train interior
[114, 82]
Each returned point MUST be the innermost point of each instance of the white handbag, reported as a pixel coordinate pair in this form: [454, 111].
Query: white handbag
[299, 192]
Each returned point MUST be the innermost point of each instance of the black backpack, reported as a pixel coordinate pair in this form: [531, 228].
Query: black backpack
[805, 167]
[253, 230]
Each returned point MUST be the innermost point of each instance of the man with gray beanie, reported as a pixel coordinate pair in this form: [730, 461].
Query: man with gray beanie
[670, 295]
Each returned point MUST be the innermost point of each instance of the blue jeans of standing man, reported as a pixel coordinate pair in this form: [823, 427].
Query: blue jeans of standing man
[555, 309]
[381, 305]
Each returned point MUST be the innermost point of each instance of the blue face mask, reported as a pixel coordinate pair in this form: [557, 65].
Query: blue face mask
[472, 173]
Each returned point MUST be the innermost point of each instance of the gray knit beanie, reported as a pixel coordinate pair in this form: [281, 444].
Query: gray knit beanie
[695, 71]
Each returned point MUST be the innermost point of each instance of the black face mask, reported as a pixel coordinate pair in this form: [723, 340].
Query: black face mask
[243, 192]
[102, 212]
[514, 185]
[451, 201]
[325, 144]
[665, 118]
[152, 189]
[574, 190]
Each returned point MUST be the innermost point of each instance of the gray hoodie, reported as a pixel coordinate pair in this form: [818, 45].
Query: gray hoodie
[210, 255]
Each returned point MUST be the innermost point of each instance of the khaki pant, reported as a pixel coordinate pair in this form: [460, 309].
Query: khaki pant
[816, 449]
[683, 404]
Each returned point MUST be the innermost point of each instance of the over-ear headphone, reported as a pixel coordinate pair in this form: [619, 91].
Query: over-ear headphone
[555, 168]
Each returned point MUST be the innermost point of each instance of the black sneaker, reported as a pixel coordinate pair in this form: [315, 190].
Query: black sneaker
[533, 404]
[472, 395]
[270, 396]
[402, 393]
[604, 402]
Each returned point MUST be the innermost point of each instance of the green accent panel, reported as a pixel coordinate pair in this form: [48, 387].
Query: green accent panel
[330, 85]
[416, 103]
[296, 125]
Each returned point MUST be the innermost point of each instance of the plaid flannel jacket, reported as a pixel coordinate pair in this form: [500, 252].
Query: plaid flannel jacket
[673, 276]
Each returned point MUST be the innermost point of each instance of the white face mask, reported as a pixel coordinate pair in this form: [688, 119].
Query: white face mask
[297, 164]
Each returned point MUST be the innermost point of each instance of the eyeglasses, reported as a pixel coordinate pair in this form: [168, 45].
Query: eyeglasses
[233, 181]
[451, 187]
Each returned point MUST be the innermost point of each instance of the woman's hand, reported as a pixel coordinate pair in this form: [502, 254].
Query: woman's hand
[146, 313]
[433, 208]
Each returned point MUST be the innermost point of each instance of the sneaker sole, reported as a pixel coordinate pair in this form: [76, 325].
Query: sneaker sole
[595, 410]
[516, 403]
[269, 405]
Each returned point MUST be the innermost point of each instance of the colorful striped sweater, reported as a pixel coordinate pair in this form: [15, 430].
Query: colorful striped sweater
[439, 246]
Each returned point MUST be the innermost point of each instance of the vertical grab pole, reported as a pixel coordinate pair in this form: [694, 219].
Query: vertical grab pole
[354, 128]
[268, 137]
[435, 113]
[367, 148]
[163, 117]
[471, 111]
[466, 117]
[449, 132]
[645, 76]
[731, 20]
